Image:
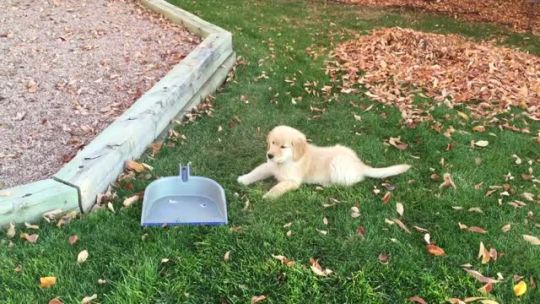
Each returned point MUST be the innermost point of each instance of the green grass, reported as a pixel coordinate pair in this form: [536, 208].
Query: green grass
[197, 273]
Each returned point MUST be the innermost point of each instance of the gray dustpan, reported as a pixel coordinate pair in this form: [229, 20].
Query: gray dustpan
[184, 200]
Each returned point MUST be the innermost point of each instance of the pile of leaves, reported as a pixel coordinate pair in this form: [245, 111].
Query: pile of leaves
[517, 14]
[394, 64]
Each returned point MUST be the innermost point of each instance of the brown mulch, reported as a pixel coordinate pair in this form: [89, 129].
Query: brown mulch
[395, 63]
[67, 69]
[518, 14]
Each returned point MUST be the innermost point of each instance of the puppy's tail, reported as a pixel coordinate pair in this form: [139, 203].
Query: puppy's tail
[386, 172]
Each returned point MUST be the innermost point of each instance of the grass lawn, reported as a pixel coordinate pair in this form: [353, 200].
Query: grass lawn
[272, 37]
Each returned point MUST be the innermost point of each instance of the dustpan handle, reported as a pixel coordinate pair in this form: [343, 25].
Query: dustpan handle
[185, 172]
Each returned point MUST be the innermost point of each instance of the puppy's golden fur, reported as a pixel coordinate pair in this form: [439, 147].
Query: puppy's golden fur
[291, 160]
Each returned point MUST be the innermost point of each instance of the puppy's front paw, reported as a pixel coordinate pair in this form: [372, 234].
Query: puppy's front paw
[271, 195]
[242, 180]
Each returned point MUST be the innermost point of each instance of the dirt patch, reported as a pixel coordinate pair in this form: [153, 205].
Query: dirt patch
[518, 14]
[68, 68]
[393, 63]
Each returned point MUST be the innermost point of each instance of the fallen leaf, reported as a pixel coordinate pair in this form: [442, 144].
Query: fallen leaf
[448, 181]
[479, 129]
[135, 166]
[317, 269]
[481, 143]
[31, 238]
[257, 299]
[435, 250]
[401, 225]
[396, 143]
[73, 239]
[289, 224]
[47, 282]
[462, 226]
[427, 238]
[30, 226]
[477, 275]
[110, 207]
[384, 258]
[361, 231]
[399, 209]
[164, 260]
[56, 301]
[520, 288]
[531, 239]
[325, 220]
[156, 147]
[487, 288]
[355, 212]
[101, 281]
[284, 260]
[417, 299]
[227, 256]
[475, 209]
[82, 256]
[130, 201]
[323, 232]
[387, 197]
[289, 233]
[477, 229]
[11, 231]
[420, 229]
[484, 254]
[89, 299]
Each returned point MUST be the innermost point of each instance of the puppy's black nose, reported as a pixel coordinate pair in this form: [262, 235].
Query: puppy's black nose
[270, 156]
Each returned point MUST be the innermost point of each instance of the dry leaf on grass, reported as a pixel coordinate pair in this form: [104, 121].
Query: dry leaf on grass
[317, 269]
[477, 275]
[325, 220]
[383, 258]
[47, 282]
[427, 238]
[156, 147]
[56, 301]
[284, 260]
[135, 166]
[481, 143]
[520, 288]
[361, 231]
[401, 225]
[101, 281]
[82, 256]
[417, 299]
[89, 299]
[399, 209]
[387, 197]
[227, 256]
[435, 250]
[130, 201]
[257, 299]
[477, 229]
[396, 143]
[73, 239]
[11, 232]
[448, 181]
[355, 212]
[531, 239]
[31, 238]
[30, 226]
[487, 288]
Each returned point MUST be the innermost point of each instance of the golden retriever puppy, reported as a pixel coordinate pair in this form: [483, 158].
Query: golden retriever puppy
[292, 161]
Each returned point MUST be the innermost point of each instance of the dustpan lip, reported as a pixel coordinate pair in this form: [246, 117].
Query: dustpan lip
[217, 223]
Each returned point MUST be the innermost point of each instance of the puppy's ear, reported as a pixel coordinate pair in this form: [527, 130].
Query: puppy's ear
[299, 147]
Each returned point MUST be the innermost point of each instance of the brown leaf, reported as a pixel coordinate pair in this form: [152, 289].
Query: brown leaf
[361, 231]
[477, 275]
[484, 254]
[257, 299]
[487, 288]
[317, 269]
[30, 226]
[387, 197]
[417, 299]
[135, 166]
[448, 181]
[420, 229]
[396, 143]
[56, 301]
[156, 147]
[477, 229]
[31, 238]
[401, 225]
[384, 258]
[73, 239]
[435, 250]
[284, 260]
